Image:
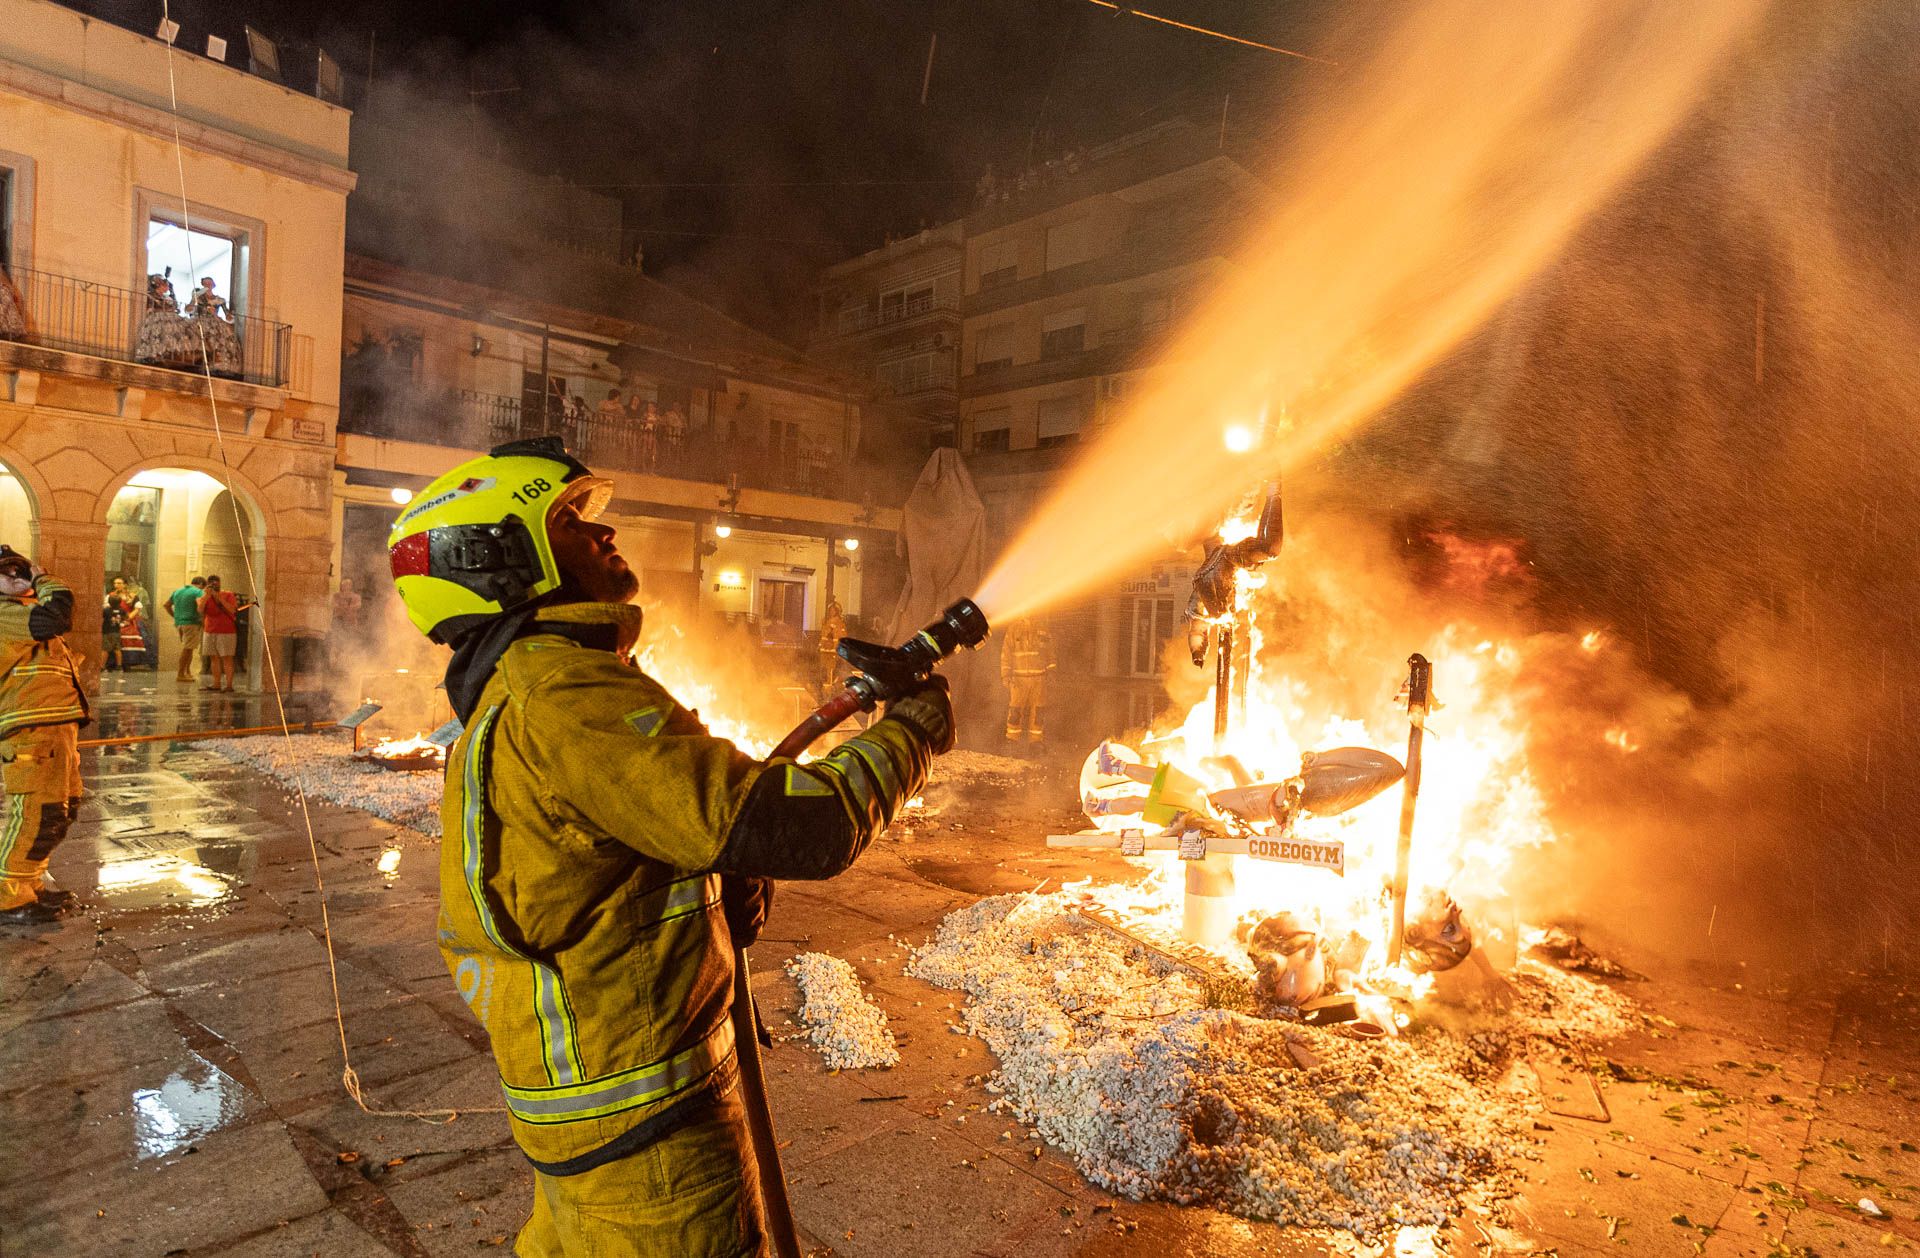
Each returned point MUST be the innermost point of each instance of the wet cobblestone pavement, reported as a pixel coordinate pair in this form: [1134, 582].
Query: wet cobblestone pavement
[172, 1062]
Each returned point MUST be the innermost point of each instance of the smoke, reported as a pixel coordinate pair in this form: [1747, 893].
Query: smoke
[1700, 419]
[1421, 190]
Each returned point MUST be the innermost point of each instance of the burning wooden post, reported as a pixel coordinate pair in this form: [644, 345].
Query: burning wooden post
[1419, 698]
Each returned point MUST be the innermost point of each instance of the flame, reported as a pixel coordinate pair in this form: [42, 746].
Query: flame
[722, 712]
[1478, 808]
[407, 748]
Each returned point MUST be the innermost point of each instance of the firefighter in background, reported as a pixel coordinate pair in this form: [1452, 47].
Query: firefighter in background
[41, 710]
[605, 857]
[833, 627]
[1026, 657]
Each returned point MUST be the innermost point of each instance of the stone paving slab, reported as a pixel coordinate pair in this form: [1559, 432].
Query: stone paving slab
[1746, 1090]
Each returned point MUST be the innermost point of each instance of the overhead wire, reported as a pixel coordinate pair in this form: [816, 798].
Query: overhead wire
[349, 1077]
[1129, 10]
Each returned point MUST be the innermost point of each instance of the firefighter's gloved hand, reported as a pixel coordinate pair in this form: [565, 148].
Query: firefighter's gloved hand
[745, 901]
[929, 709]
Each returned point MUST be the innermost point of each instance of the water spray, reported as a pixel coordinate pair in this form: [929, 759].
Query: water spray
[887, 672]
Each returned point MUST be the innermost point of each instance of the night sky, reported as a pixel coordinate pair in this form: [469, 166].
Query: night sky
[755, 140]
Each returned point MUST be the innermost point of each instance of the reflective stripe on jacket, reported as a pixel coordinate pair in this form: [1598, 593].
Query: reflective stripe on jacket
[579, 915]
[1026, 652]
[39, 678]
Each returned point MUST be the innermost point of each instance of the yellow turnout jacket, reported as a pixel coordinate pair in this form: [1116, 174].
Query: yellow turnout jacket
[586, 820]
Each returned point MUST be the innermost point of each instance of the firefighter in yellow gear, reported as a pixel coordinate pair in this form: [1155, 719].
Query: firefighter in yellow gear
[41, 710]
[1026, 658]
[833, 627]
[604, 856]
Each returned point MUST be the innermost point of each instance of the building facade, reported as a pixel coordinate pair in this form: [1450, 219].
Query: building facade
[118, 435]
[751, 484]
[891, 317]
[1070, 280]
[1073, 282]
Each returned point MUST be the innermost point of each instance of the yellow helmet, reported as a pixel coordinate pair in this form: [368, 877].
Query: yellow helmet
[474, 543]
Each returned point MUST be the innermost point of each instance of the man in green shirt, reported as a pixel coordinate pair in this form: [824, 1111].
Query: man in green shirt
[185, 604]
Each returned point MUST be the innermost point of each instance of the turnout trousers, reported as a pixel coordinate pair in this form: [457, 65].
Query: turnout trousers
[693, 1193]
[42, 775]
[1026, 696]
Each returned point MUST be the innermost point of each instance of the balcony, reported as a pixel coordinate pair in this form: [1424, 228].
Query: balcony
[467, 420]
[80, 317]
[868, 319]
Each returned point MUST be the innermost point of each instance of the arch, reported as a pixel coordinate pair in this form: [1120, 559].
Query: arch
[248, 494]
[32, 484]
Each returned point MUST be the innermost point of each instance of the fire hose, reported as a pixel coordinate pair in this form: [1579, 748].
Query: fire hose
[883, 673]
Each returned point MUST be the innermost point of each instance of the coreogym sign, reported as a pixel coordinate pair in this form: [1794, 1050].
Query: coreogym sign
[1295, 852]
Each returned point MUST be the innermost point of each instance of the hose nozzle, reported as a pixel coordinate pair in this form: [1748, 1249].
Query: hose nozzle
[886, 672]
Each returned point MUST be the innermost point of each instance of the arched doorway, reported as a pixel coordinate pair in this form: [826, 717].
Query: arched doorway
[19, 526]
[168, 525]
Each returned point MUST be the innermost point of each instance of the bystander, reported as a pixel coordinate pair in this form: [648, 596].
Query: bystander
[184, 603]
[219, 616]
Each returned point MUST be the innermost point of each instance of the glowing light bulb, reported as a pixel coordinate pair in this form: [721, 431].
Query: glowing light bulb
[1239, 438]
[723, 530]
[732, 579]
[401, 496]
[852, 543]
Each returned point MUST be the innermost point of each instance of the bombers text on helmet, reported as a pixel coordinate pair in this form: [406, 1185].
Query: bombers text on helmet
[474, 543]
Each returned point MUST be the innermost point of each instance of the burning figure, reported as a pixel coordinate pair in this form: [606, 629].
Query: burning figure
[1211, 606]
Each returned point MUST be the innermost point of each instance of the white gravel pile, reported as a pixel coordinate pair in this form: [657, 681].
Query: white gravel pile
[1116, 1062]
[327, 769]
[841, 1020]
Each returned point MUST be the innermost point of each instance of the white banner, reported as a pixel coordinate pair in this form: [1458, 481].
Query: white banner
[1292, 851]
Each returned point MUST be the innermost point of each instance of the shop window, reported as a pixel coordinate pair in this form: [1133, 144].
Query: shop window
[1154, 622]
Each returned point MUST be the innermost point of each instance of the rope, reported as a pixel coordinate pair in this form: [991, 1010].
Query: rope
[349, 1077]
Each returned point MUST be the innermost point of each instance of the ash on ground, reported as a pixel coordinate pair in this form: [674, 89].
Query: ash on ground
[325, 767]
[959, 774]
[1111, 1055]
[841, 1020]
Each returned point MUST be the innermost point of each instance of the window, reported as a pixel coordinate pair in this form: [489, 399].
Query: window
[189, 255]
[992, 430]
[999, 264]
[993, 347]
[6, 215]
[915, 372]
[1154, 621]
[1069, 244]
[1063, 333]
[200, 242]
[1060, 420]
[1155, 310]
[16, 210]
[903, 303]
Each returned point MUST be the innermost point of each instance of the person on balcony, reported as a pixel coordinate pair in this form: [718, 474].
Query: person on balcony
[213, 328]
[648, 433]
[165, 337]
[13, 324]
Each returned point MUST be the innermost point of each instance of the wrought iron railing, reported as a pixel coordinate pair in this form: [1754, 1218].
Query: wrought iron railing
[668, 447]
[866, 318]
[63, 313]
